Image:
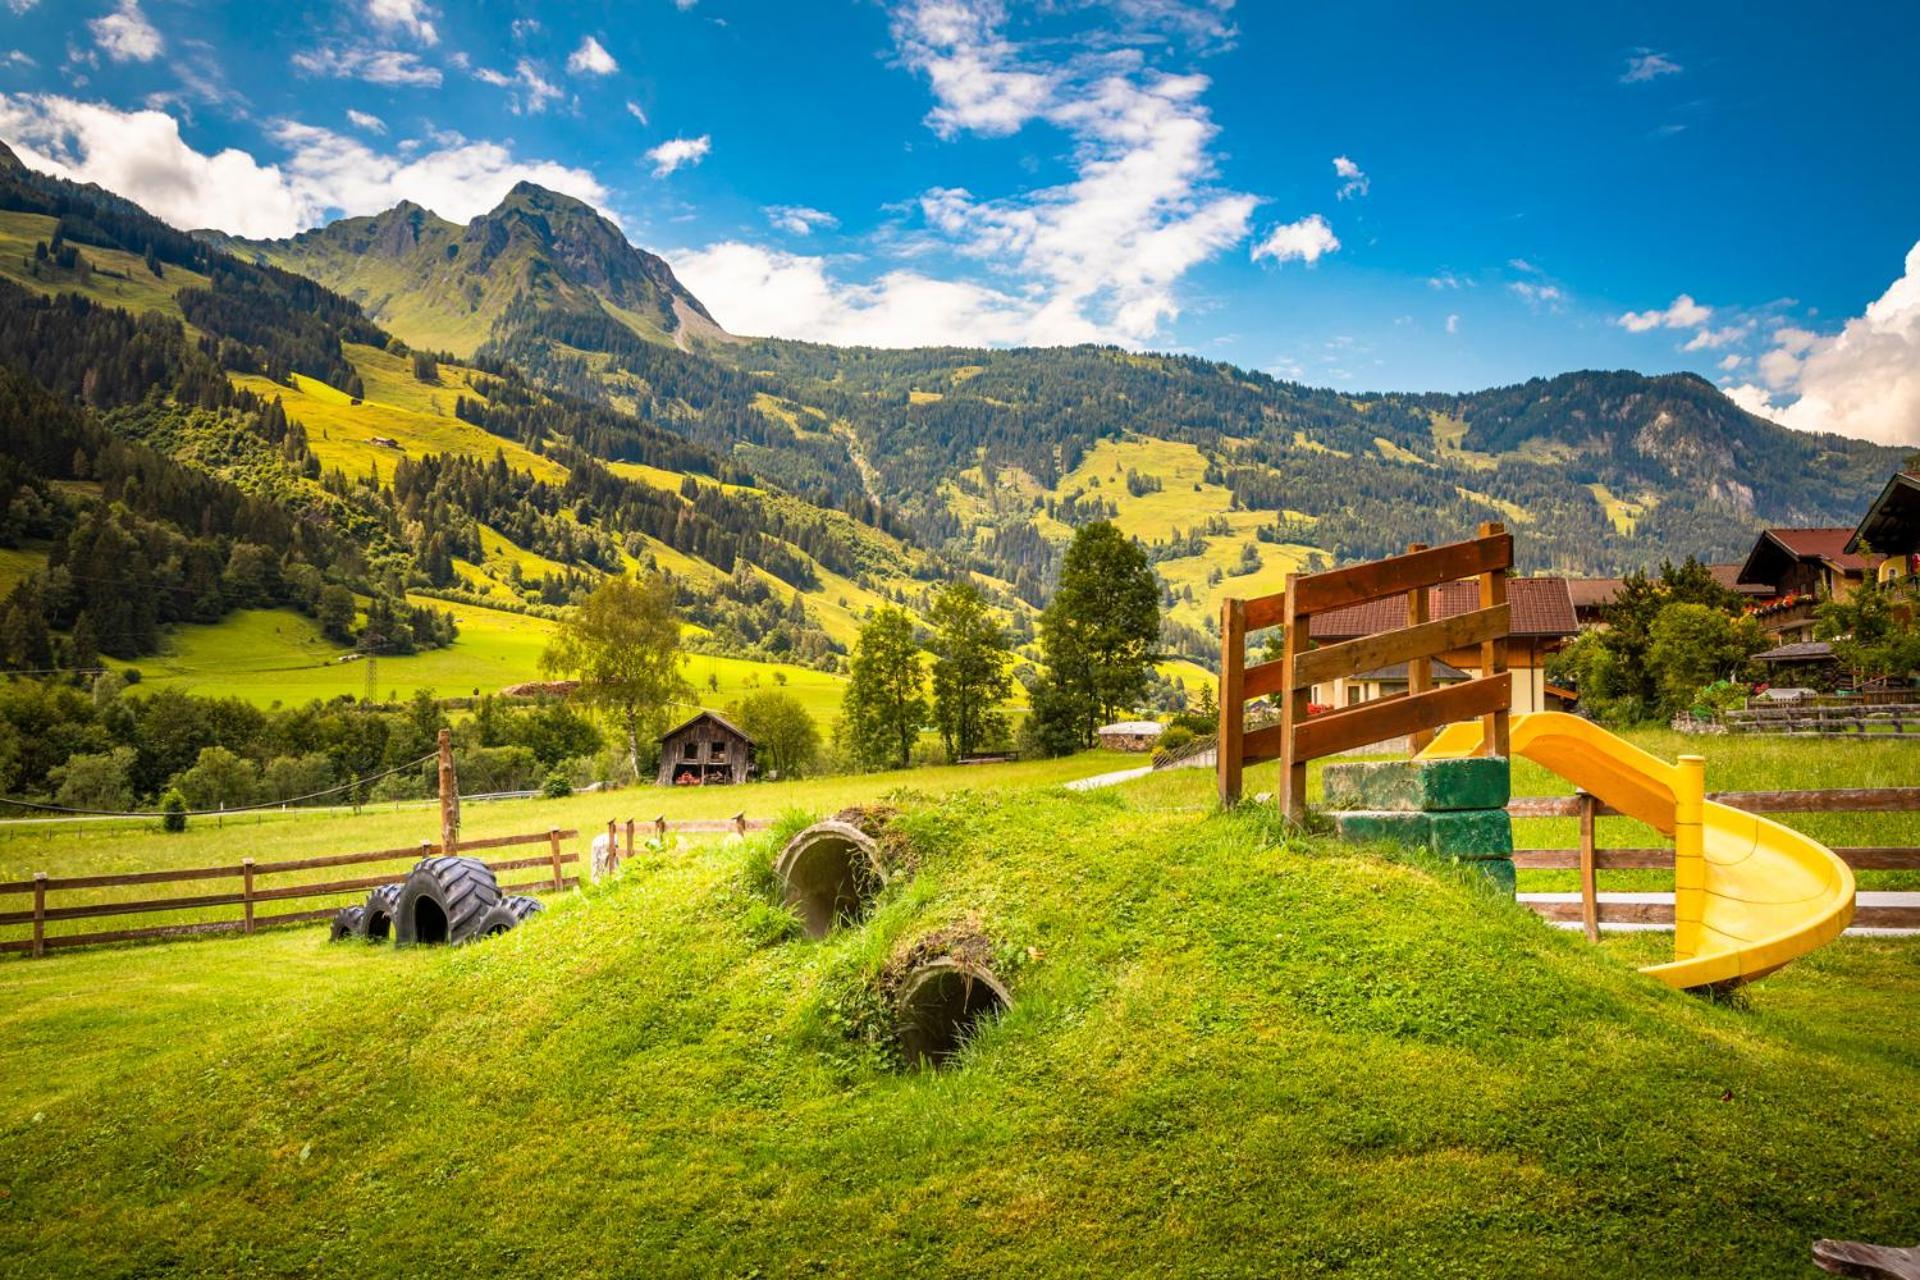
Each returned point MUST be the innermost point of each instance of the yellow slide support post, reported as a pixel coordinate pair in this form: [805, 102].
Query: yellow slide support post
[1749, 894]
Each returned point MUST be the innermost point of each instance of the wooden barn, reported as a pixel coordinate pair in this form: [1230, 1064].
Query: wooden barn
[707, 750]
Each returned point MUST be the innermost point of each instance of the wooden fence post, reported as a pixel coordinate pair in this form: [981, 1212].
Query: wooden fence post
[39, 913]
[1419, 670]
[1589, 892]
[449, 797]
[246, 893]
[426, 848]
[553, 847]
[1293, 707]
[613, 846]
[740, 823]
[629, 837]
[1230, 743]
[1493, 653]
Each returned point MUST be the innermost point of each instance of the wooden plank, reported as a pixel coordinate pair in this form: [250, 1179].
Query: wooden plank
[1660, 911]
[1397, 575]
[1428, 640]
[95, 910]
[521, 864]
[1419, 669]
[1378, 721]
[1265, 611]
[296, 917]
[346, 859]
[129, 935]
[1831, 800]
[1589, 886]
[123, 878]
[1293, 707]
[1229, 742]
[1493, 651]
[327, 887]
[553, 855]
[1263, 678]
[40, 914]
[541, 886]
[1859, 857]
[246, 893]
[502, 842]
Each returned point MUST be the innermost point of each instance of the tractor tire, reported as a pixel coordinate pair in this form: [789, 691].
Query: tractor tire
[523, 906]
[347, 924]
[376, 918]
[499, 918]
[444, 900]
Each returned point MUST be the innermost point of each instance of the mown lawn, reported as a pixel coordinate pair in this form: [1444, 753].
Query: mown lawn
[1229, 1054]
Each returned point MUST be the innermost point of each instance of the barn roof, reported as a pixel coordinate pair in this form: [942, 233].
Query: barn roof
[1540, 607]
[1892, 524]
[1775, 549]
[714, 716]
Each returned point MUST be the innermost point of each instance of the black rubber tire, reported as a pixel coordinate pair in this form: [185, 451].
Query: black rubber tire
[444, 900]
[499, 919]
[523, 906]
[346, 924]
[376, 918]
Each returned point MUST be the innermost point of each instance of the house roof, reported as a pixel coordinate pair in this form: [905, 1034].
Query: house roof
[1132, 726]
[1443, 673]
[1892, 524]
[1592, 593]
[714, 716]
[1540, 606]
[1728, 576]
[1801, 651]
[1778, 546]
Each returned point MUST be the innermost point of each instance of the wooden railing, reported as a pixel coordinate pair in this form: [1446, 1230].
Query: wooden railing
[1298, 737]
[1588, 859]
[251, 893]
[1799, 720]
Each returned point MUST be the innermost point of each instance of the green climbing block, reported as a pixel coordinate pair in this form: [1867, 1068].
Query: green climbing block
[1497, 870]
[1411, 830]
[1481, 782]
[1471, 834]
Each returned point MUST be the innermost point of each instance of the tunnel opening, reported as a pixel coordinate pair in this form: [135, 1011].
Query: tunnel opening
[829, 873]
[429, 921]
[943, 1003]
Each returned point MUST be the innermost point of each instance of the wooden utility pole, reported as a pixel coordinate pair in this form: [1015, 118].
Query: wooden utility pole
[449, 797]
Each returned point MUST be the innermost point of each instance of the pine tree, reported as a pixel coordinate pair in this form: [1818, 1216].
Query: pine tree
[1098, 634]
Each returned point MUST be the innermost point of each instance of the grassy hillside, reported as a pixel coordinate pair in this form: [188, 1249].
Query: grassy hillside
[1228, 1055]
[112, 276]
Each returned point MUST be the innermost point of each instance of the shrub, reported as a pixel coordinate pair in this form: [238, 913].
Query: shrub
[173, 811]
[557, 786]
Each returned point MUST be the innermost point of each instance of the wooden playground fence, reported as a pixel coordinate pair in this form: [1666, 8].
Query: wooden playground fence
[1589, 859]
[1859, 721]
[1299, 737]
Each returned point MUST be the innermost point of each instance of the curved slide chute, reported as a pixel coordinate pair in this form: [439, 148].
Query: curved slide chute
[1749, 894]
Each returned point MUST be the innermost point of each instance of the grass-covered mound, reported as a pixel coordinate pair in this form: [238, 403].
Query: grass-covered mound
[1227, 1056]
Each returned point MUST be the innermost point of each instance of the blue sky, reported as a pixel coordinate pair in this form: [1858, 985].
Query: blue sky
[1368, 196]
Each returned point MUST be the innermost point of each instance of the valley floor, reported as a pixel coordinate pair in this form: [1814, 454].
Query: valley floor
[1231, 1053]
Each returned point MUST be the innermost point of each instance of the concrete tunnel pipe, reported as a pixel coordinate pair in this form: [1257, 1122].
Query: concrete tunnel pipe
[941, 1003]
[829, 872]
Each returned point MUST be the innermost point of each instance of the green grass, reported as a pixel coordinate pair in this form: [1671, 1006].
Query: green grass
[20, 563]
[1227, 1055]
[269, 656]
[117, 279]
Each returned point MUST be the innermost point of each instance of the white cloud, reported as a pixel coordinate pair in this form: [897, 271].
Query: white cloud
[592, 59]
[1453, 323]
[1538, 295]
[637, 111]
[125, 35]
[394, 68]
[141, 155]
[1107, 247]
[17, 58]
[675, 152]
[1682, 313]
[1354, 182]
[799, 219]
[1863, 381]
[1708, 339]
[684, 5]
[1446, 280]
[753, 290]
[532, 91]
[364, 120]
[1521, 264]
[21, 6]
[410, 16]
[1729, 363]
[1304, 241]
[1648, 65]
[524, 27]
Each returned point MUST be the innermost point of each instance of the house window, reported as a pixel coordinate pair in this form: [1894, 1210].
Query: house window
[717, 752]
[1353, 695]
[690, 752]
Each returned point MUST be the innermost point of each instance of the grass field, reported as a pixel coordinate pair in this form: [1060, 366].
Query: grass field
[1229, 1054]
[269, 656]
[116, 278]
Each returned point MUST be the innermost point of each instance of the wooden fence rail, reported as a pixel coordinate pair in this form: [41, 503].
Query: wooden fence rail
[1300, 737]
[251, 893]
[1592, 909]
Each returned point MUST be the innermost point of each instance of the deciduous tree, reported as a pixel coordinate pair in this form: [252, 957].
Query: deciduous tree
[623, 644]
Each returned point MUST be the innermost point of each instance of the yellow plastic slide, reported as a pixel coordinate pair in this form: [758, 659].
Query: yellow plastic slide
[1749, 894]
